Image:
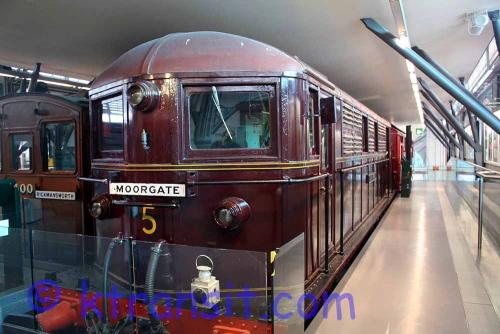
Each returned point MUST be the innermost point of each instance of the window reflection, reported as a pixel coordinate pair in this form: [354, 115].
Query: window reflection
[324, 146]
[112, 124]
[229, 120]
[59, 147]
[21, 151]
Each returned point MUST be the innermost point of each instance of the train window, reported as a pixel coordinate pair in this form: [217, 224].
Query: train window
[324, 146]
[365, 134]
[311, 122]
[224, 118]
[387, 138]
[59, 149]
[21, 151]
[111, 124]
[375, 127]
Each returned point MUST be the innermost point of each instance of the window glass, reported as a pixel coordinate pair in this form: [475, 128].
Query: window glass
[21, 151]
[111, 134]
[310, 121]
[376, 136]
[387, 138]
[229, 120]
[324, 146]
[310, 124]
[365, 134]
[59, 151]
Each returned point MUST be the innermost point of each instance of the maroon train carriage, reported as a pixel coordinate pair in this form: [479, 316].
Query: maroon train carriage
[44, 148]
[398, 151]
[211, 139]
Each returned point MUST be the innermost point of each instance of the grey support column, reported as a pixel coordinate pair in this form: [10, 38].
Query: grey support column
[436, 134]
[436, 121]
[458, 92]
[446, 114]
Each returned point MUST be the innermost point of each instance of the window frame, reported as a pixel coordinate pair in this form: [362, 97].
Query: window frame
[11, 168]
[267, 153]
[42, 148]
[97, 151]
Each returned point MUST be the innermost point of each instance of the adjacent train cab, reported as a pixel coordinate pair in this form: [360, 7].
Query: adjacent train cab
[43, 142]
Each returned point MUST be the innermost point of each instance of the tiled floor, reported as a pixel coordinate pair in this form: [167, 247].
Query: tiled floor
[421, 273]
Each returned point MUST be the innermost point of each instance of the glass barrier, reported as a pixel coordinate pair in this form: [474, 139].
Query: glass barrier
[15, 277]
[55, 282]
[291, 306]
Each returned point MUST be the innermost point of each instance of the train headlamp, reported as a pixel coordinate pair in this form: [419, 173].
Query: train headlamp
[100, 207]
[231, 213]
[143, 95]
[96, 209]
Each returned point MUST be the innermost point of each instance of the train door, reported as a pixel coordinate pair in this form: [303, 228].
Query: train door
[20, 164]
[315, 223]
[327, 152]
[59, 187]
[396, 159]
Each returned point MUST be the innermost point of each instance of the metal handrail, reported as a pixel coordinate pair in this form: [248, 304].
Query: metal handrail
[348, 169]
[489, 175]
[481, 167]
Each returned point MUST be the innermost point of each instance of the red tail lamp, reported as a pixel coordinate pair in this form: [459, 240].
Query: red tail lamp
[231, 213]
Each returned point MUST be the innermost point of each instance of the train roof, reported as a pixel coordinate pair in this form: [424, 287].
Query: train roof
[202, 51]
[79, 101]
[211, 52]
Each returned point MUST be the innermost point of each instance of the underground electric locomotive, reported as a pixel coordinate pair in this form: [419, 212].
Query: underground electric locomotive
[208, 140]
[211, 139]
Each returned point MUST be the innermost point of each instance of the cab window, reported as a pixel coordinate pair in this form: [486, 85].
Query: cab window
[312, 114]
[59, 149]
[110, 120]
[229, 118]
[21, 151]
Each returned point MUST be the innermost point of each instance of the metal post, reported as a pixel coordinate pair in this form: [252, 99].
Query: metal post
[495, 22]
[341, 250]
[458, 92]
[328, 219]
[472, 118]
[34, 78]
[433, 117]
[449, 128]
[480, 214]
[430, 95]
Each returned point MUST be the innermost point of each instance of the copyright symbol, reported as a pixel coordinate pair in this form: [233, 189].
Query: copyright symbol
[44, 295]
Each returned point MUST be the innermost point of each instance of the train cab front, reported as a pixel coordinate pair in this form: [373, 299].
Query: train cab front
[182, 162]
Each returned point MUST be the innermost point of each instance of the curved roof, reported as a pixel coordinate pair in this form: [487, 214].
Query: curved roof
[204, 51]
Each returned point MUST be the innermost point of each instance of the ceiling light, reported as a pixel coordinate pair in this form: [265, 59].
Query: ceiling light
[403, 40]
[476, 22]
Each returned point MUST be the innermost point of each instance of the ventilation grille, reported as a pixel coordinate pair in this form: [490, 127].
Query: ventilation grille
[352, 131]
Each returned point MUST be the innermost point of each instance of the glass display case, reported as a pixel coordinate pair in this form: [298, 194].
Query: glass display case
[55, 282]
